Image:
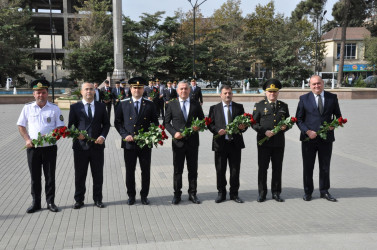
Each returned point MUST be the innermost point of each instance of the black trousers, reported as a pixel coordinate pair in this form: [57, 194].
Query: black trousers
[130, 158]
[191, 155]
[232, 154]
[38, 158]
[161, 108]
[82, 159]
[309, 152]
[266, 155]
[108, 108]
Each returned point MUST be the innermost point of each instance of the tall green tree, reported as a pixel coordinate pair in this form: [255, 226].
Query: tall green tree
[371, 50]
[91, 42]
[16, 41]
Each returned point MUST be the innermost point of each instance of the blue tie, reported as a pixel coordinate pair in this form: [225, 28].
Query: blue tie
[184, 111]
[137, 107]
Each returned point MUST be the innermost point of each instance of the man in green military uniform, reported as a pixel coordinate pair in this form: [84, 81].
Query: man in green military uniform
[267, 114]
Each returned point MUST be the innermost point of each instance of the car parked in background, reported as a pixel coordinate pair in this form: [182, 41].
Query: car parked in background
[371, 80]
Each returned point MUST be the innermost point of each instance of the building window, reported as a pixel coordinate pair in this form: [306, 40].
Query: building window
[350, 51]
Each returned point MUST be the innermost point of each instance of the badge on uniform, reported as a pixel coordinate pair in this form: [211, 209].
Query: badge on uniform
[265, 111]
[61, 117]
[48, 119]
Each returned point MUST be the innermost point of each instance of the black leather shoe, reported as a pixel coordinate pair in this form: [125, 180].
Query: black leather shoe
[307, 197]
[236, 199]
[277, 198]
[33, 208]
[220, 198]
[78, 205]
[176, 200]
[144, 201]
[52, 207]
[194, 199]
[99, 204]
[328, 197]
[261, 198]
[131, 201]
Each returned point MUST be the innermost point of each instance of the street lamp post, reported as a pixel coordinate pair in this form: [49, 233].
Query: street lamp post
[319, 19]
[52, 54]
[194, 7]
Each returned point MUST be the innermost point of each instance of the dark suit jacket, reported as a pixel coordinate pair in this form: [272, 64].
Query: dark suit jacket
[216, 113]
[100, 124]
[266, 119]
[168, 96]
[100, 95]
[197, 94]
[115, 95]
[309, 118]
[175, 122]
[128, 123]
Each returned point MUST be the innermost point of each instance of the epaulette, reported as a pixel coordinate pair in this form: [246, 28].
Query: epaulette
[127, 99]
[146, 99]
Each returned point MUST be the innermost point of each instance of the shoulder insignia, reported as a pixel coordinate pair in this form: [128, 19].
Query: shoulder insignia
[127, 99]
[146, 99]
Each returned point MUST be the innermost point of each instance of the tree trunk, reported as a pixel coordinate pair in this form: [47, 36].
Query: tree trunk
[346, 8]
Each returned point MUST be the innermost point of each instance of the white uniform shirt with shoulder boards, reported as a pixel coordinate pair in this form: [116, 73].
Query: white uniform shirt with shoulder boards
[42, 120]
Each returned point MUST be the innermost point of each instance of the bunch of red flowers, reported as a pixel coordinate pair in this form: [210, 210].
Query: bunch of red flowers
[233, 128]
[156, 135]
[287, 122]
[322, 132]
[58, 133]
[196, 123]
[153, 94]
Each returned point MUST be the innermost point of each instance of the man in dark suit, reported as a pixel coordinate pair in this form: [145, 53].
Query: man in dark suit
[179, 115]
[227, 147]
[196, 92]
[97, 92]
[133, 114]
[160, 101]
[90, 116]
[118, 94]
[267, 114]
[169, 93]
[313, 110]
[107, 97]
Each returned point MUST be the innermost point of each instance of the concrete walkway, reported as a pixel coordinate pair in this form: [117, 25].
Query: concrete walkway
[351, 223]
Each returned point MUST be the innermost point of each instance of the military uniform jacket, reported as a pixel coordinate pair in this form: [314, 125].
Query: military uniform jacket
[196, 94]
[266, 119]
[216, 113]
[128, 123]
[175, 122]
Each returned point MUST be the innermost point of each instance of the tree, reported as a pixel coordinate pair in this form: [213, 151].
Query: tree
[371, 50]
[349, 13]
[16, 41]
[91, 42]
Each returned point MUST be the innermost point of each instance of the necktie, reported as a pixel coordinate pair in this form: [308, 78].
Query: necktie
[137, 107]
[230, 137]
[117, 91]
[320, 104]
[273, 107]
[170, 91]
[90, 112]
[184, 111]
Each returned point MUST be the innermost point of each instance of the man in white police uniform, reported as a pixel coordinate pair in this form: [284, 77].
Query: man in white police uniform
[40, 116]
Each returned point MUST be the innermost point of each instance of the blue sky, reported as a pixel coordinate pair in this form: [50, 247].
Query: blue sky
[134, 8]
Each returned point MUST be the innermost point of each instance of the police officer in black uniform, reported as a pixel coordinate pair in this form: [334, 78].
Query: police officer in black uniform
[133, 114]
[267, 114]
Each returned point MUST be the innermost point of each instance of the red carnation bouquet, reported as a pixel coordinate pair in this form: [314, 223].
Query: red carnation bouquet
[201, 124]
[106, 95]
[120, 96]
[156, 135]
[322, 132]
[289, 122]
[153, 94]
[232, 128]
[58, 133]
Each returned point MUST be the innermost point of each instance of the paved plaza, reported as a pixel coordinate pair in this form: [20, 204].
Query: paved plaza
[350, 223]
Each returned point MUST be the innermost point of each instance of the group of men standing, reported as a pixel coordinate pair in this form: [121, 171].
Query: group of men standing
[181, 105]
